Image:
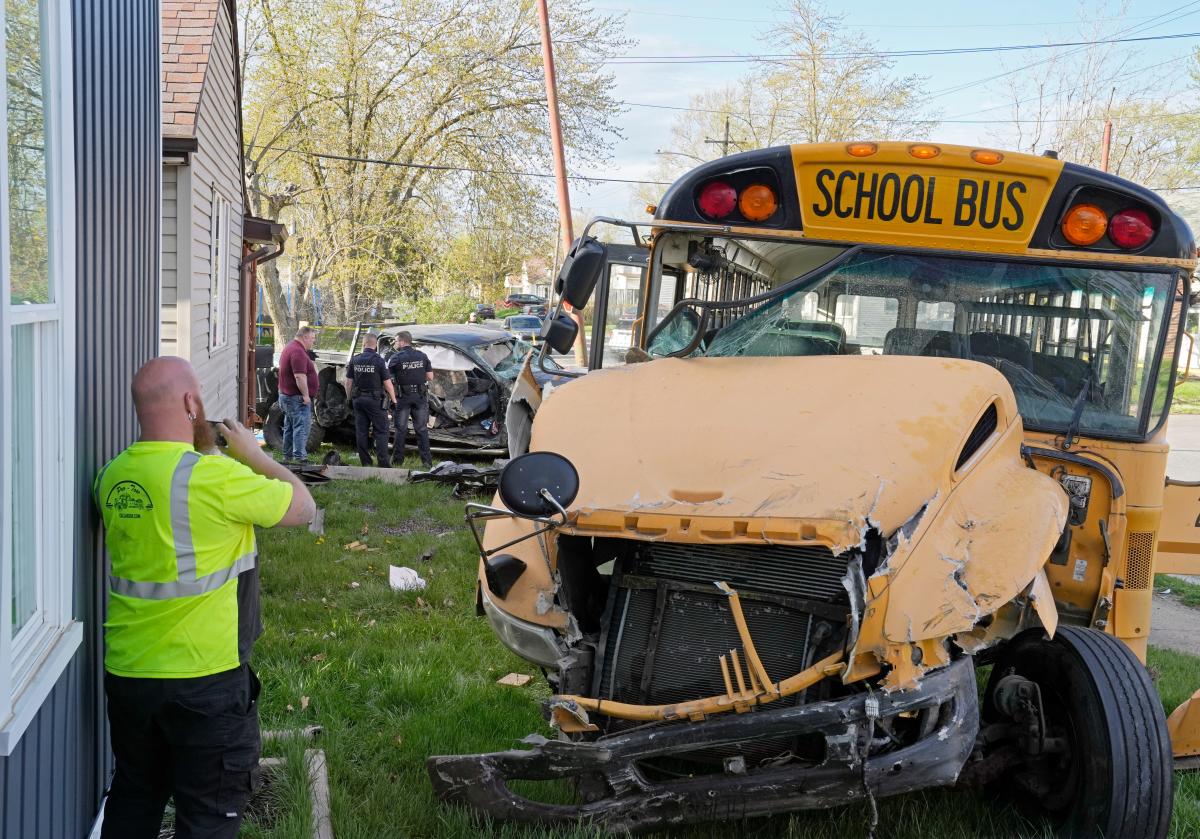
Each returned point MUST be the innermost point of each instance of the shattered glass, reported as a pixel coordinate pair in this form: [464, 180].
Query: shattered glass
[1068, 339]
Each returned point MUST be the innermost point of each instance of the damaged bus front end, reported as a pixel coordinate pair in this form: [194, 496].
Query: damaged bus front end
[779, 603]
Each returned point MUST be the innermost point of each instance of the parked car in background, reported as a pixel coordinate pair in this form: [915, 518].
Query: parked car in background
[474, 368]
[525, 327]
[484, 311]
[536, 309]
[516, 301]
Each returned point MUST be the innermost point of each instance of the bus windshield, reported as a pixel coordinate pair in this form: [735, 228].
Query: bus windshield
[1073, 341]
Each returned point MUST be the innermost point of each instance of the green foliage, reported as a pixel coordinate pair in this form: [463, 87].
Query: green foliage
[390, 137]
[453, 308]
[396, 677]
[1186, 399]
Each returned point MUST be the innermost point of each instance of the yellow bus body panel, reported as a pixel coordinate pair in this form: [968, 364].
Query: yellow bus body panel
[1179, 534]
[949, 201]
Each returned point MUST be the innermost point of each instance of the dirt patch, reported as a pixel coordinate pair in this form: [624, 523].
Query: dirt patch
[414, 525]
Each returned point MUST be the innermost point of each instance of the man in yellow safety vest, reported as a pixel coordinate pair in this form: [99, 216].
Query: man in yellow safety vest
[183, 611]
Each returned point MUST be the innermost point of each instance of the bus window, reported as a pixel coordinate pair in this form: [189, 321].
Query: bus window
[934, 315]
[621, 311]
[867, 320]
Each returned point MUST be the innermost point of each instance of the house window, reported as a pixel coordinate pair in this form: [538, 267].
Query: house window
[218, 326]
[38, 635]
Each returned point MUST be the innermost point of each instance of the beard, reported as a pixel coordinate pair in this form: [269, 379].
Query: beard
[204, 439]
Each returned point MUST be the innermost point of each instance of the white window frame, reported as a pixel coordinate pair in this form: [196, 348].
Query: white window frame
[32, 661]
[218, 288]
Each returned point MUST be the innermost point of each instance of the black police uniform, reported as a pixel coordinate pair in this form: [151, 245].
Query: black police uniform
[408, 367]
[367, 373]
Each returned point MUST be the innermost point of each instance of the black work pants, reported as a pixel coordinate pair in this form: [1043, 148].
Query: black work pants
[369, 414]
[416, 405]
[195, 739]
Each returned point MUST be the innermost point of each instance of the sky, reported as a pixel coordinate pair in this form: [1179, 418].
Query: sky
[705, 27]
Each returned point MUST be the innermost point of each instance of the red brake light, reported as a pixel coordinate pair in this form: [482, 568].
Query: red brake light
[1131, 229]
[717, 199]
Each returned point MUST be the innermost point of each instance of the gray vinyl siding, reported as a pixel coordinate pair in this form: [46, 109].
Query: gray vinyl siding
[216, 166]
[51, 785]
[169, 345]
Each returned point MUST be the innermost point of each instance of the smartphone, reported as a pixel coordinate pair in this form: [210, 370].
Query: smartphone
[220, 438]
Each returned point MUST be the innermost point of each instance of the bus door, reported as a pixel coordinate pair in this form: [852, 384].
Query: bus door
[616, 305]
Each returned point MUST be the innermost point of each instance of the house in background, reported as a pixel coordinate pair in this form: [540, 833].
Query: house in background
[79, 240]
[534, 278]
[203, 198]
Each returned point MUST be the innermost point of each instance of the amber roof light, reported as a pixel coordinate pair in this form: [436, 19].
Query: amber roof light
[924, 151]
[861, 149]
[1084, 224]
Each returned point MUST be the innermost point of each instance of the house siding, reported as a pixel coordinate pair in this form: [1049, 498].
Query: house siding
[52, 783]
[171, 300]
[216, 167]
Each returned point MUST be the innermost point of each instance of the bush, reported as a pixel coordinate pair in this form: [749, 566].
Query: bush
[452, 308]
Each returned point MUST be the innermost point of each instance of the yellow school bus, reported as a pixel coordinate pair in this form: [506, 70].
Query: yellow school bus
[888, 413]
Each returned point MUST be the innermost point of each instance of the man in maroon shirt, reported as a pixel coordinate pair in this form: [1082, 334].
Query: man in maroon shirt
[297, 389]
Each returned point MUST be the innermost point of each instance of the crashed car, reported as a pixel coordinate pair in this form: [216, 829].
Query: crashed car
[850, 463]
[474, 368]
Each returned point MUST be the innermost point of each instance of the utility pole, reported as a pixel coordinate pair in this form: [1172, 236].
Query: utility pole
[725, 143]
[566, 229]
[1107, 142]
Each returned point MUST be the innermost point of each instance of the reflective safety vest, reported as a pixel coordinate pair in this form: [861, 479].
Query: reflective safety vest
[179, 527]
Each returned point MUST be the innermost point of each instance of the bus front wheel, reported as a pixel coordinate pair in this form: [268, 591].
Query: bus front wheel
[1096, 755]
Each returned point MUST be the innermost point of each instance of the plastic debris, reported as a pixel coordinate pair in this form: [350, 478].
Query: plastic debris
[402, 578]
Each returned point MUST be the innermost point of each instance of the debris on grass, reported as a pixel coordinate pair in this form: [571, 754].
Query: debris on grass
[403, 578]
[426, 556]
[514, 680]
[355, 584]
[317, 525]
[356, 545]
[303, 703]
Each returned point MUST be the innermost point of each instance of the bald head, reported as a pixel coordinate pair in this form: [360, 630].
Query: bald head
[371, 341]
[166, 396]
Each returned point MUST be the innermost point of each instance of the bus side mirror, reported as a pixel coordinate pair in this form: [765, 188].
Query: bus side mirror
[581, 271]
[560, 333]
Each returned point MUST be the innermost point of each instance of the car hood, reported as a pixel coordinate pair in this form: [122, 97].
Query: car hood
[849, 439]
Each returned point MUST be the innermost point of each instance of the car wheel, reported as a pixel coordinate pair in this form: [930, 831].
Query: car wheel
[273, 427]
[316, 436]
[1104, 768]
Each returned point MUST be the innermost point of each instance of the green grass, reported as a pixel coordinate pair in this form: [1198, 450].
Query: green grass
[1187, 397]
[395, 677]
[1188, 593]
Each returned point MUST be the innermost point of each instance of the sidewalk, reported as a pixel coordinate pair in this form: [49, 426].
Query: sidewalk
[1183, 433]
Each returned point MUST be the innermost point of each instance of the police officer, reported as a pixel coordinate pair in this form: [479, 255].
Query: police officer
[413, 372]
[183, 609]
[367, 381]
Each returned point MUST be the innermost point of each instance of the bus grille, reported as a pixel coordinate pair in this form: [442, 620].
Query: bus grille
[669, 623]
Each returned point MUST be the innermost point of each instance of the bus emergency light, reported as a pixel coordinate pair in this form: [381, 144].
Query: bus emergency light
[757, 202]
[1131, 229]
[717, 199]
[1084, 225]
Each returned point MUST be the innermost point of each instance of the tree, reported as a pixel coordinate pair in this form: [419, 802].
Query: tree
[1062, 101]
[829, 85]
[392, 133]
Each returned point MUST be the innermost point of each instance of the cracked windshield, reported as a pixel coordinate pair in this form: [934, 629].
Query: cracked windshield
[1076, 344]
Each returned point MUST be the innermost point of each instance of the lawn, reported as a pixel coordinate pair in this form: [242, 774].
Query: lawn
[1188, 593]
[1187, 397]
[394, 677]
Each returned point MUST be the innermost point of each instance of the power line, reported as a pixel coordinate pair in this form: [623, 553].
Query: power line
[853, 26]
[832, 56]
[437, 167]
[730, 112]
[1141, 27]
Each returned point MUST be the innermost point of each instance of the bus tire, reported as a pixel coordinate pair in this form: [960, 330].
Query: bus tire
[1116, 777]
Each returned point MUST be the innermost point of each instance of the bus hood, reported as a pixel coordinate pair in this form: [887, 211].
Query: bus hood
[836, 438]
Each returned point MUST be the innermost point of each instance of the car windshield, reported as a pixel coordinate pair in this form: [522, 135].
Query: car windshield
[506, 357]
[529, 322]
[1072, 341]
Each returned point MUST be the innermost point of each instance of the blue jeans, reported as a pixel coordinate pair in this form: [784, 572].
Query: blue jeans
[297, 419]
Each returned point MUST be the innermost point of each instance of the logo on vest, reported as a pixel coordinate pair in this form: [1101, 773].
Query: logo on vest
[129, 499]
